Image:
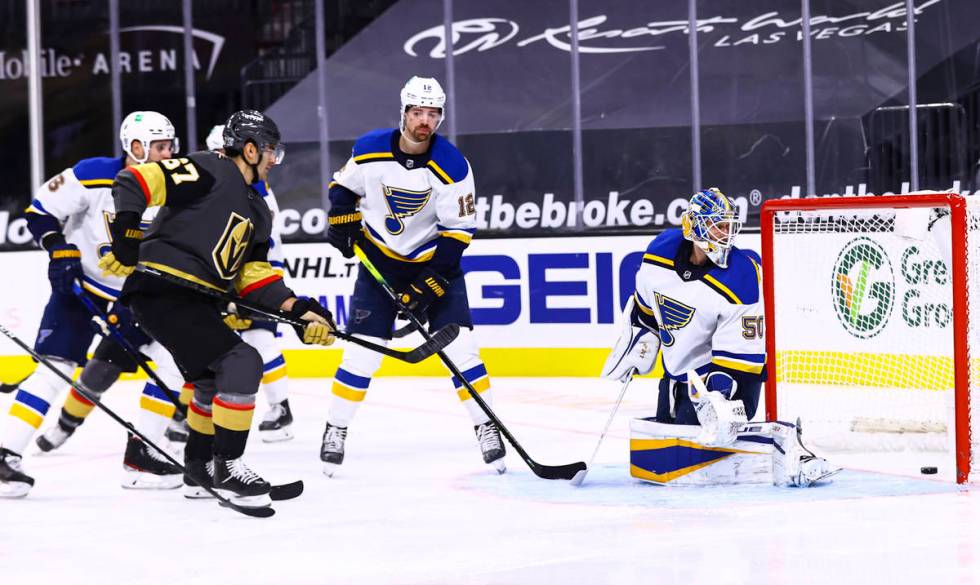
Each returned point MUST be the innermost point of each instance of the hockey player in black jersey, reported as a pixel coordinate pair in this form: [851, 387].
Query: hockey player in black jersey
[213, 230]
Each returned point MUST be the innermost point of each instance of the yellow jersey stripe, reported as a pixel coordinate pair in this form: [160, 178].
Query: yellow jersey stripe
[659, 260]
[440, 173]
[395, 255]
[738, 365]
[374, 156]
[96, 182]
[714, 282]
[461, 236]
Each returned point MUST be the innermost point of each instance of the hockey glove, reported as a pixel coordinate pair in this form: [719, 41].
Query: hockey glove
[321, 325]
[126, 238]
[344, 230]
[636, 347]
[427, 288]
[64, 267]
[234, 321]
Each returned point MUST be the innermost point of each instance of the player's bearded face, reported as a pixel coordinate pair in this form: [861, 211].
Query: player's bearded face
[421, 122]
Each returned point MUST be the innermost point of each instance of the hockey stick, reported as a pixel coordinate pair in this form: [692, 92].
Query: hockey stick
[432, 344]
[94, 399]
[8, 388]
[543, 471]
[580, 476]
[110, 330]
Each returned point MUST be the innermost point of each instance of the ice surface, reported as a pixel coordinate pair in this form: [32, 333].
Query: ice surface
[414, 503]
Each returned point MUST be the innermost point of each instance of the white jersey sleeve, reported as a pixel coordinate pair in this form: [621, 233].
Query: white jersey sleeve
[456, 207]
[351, 176]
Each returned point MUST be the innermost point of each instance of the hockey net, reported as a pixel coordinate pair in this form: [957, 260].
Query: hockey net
[868, 305]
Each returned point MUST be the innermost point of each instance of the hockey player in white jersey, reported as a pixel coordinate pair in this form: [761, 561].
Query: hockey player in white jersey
[698, 305]
[276, 424]
[69, 218]
[406, 196]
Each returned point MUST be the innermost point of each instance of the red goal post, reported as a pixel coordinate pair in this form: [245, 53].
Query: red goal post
[774, 224]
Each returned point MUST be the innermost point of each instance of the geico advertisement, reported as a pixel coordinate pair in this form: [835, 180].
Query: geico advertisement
[527, 292]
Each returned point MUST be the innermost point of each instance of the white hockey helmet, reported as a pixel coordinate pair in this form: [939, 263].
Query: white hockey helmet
[216, 139]
[146, 127]
[425, 92]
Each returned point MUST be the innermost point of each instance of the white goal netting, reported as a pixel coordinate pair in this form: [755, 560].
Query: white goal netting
[864, 311]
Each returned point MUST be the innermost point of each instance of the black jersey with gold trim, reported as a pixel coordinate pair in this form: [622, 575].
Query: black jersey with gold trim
[213, 228]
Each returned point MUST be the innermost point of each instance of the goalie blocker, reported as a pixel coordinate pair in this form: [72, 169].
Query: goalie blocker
[724, 449]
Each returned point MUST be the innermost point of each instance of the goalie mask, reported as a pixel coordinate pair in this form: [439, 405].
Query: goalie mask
[146, 128]
[711, 222]
[424, 92]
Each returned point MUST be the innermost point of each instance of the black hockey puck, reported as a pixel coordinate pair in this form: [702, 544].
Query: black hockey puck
[928, 470]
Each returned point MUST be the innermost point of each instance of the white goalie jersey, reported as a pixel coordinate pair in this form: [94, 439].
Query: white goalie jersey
[707, 315]
[80, 199]
[407, 208]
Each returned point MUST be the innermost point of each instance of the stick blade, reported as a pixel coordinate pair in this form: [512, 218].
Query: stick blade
[566, 472]
[262, 512]
[579, 477]
[436, 343]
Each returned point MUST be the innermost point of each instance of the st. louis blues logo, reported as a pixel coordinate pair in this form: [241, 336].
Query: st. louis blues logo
[674, 315]
[403, 203]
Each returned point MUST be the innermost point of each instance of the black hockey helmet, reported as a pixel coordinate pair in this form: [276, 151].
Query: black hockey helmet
[246, 126]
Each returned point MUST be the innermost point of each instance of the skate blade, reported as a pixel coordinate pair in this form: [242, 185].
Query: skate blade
[196, 492]
[140, 480]
[259, 501]
[500, 466]
[276, 436]
[14, 489]
[329, 468]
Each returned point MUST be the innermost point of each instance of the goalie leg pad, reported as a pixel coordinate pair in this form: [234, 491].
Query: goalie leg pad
[793, 465]
[671, 454]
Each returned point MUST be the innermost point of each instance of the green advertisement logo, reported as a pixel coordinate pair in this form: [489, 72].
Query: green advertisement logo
[863, 288]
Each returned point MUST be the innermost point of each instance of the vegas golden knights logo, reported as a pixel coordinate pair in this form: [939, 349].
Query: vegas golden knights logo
[232, 246]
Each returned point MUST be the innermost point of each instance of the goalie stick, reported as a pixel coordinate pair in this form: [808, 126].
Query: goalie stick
[580, 476]
[263, 512]
[543, 471]
[432, 345]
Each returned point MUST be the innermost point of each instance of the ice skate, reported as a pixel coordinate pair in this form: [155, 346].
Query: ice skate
[276, 425]
[201, 470]
[490, 444]
[235, 481]
[332, 449]
[54, 437]
[14, 483]
[146, 469]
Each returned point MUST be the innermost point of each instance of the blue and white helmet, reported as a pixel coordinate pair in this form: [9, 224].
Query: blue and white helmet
[711, 222]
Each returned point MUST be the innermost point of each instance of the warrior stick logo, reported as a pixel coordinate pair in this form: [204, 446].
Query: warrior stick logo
[863, 288]
[230, 250]
[402, 203]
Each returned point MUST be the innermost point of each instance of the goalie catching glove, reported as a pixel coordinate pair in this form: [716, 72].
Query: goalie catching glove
[320, 326]
[126, 238]
[427, 288]
[636, 347]
[721, 416]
